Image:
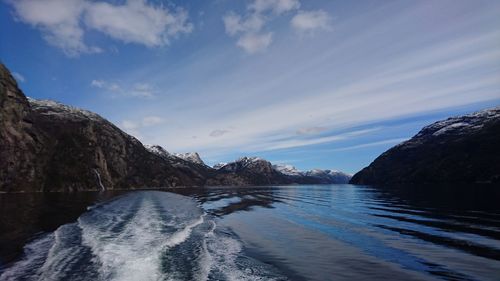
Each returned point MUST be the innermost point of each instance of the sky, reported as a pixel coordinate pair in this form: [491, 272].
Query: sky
[315, 84]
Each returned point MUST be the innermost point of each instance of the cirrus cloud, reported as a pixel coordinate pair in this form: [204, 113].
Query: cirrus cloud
[138, 90]
[19, 77]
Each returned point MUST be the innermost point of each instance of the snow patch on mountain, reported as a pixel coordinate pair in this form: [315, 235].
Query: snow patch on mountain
[219, 165]
[192, 157]
[50, 107]
[327, 175]
[288, 170]
[461, 125]
[158, 150]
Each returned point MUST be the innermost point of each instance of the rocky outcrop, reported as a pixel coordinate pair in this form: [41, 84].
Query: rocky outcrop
[456, 150]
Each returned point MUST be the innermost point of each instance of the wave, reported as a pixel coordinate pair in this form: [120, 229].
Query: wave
[147, 235]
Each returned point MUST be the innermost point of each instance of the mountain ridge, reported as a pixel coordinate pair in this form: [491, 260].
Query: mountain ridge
[462, 149]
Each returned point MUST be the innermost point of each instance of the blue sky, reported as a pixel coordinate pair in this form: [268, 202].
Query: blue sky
[316, 84]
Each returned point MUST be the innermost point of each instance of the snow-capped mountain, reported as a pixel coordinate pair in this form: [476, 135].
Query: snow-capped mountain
[260, 171]
[219, 165]
[288, 170]
[193, 157]
[322, 176]
[158, 150]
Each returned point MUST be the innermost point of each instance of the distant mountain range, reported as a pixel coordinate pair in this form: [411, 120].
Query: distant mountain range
[254, 171]
[48, 146]
[464, 149]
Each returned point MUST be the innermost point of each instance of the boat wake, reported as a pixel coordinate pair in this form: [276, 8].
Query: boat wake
[143, 236]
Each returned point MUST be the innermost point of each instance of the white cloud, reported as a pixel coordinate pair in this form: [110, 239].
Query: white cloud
[234, 24]
[137, 22]
[18, 77]
[276, 6]
[134, 127]
[310, 21]
[143, 90]
[129, 125]
[248, 28]
[59, 22]
[139, 90]
[131, 128]
[253, 43]
[63, 22]
[109, 86]
[151, 121]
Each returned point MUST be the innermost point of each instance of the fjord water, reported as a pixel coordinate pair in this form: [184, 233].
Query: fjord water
[324, 232]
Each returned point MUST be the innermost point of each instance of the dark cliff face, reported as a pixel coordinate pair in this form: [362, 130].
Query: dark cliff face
[20, 141]
[462, 149]
[86, 150]
[47, 146]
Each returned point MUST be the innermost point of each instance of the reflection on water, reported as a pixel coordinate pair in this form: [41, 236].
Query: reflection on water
[324, 232]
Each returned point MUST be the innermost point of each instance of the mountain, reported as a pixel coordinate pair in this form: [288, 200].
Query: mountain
[248, 171]
[315, 176]
[258, 171]
[48, 146]
[463, 149]
[219, 165]
[192, 157]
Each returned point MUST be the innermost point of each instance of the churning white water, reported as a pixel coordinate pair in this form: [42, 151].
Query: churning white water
[143, 236]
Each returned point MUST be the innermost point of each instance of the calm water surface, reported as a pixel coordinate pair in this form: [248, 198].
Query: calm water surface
[328, 232]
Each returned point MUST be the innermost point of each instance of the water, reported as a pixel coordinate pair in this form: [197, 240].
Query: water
[329, 232]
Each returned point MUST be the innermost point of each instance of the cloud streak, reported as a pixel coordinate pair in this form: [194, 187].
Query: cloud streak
[347, 82]
[371, 144]
[137, 90]
[20, 78]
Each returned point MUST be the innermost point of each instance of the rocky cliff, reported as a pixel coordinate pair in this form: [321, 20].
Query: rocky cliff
[463, 149]
[46, 146]
[20, 141]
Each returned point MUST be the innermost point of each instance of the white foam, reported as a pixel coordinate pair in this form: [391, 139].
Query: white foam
[206, 261]
[135, 252]
[34, 256]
